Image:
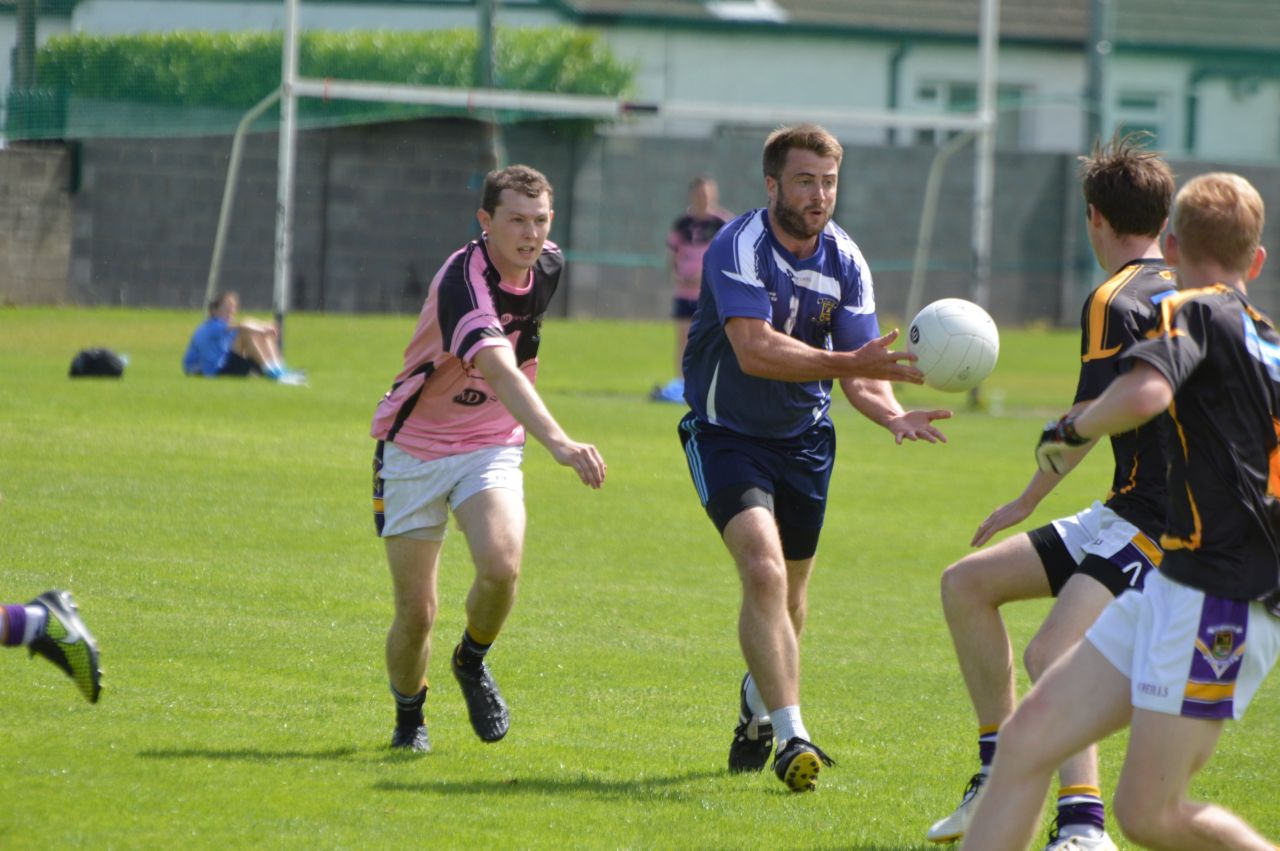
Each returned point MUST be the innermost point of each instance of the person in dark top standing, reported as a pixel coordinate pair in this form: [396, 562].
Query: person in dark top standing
[1085, 559]
[1176, 661]
[787, 306]
[687, 242]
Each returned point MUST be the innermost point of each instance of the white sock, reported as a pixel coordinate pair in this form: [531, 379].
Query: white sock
[36, 616]
[787, 724]
[755, 701]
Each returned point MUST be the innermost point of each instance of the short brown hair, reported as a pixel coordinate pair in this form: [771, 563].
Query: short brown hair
[215, 303]
[518, 178]
[806, 137]
[1218, 217]
[1128, 184]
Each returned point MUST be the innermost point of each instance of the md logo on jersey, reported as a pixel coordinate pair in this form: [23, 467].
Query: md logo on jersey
[471, 397]
[1222, 651]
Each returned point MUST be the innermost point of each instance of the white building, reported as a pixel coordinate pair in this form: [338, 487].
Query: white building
[1202, 75]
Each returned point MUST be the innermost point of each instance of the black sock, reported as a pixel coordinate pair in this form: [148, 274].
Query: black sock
[470, 653]
[409, 709]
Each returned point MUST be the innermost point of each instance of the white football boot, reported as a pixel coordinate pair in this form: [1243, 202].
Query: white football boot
[952, 828]
[1079, 842]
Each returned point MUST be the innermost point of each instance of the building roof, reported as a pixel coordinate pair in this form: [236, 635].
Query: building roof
[1251, 25]
[1218, 26]
[1221, 24]
[45, 7]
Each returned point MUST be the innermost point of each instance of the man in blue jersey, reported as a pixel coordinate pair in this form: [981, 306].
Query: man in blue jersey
[786, 308]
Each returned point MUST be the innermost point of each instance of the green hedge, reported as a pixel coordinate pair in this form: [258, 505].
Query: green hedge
[204, 73]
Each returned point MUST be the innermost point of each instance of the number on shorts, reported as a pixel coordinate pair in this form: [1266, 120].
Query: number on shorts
[1134, 571]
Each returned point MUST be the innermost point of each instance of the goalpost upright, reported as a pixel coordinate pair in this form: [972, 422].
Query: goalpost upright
[286, 169]
[981, 124]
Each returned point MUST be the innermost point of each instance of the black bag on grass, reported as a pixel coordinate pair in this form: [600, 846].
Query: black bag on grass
[96, 363]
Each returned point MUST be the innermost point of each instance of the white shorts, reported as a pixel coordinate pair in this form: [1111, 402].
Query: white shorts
[1123, 555]
[415, 495]
[1185, 652]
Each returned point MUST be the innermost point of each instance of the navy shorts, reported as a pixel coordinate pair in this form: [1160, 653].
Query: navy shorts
[683, 308]
[238, 366]
[789, 477]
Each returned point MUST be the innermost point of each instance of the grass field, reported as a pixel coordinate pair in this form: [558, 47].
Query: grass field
[218, 539]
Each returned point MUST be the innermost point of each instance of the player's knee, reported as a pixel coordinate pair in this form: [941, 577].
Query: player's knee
[414, 619]
[1038, 656]
[1142, 821]
[499, 571]
[764, 578]
[797, 607]
[961, 586]
[1022, 736]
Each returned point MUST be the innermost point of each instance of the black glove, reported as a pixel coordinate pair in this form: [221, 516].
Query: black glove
[1057, 437]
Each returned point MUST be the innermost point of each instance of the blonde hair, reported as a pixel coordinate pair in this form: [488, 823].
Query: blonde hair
[1218, 218]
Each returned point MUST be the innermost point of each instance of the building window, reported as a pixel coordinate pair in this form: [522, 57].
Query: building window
[962, 96]
[1138, 110]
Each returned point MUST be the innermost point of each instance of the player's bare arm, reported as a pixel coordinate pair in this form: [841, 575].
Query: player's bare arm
[1131, 400]
[1041, 485]
[874, 399]
[498, 366]
[766, 353]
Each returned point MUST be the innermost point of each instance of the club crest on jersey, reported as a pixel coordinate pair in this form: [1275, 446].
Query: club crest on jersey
[471, 397]
[1222, 651]
[826, 307]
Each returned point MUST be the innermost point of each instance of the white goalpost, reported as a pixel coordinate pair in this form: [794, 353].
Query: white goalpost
[979, 125]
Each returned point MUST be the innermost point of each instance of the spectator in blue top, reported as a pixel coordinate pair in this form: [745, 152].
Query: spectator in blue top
[224, 344]
[786, 308]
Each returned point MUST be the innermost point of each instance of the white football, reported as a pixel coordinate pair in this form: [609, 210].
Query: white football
[956, 342]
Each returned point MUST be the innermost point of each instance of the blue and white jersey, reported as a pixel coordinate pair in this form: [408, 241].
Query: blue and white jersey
[825, 300]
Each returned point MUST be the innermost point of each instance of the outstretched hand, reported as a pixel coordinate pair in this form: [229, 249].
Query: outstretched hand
[1009, 514]
[584, 459]
[918, 425]
[876, 360]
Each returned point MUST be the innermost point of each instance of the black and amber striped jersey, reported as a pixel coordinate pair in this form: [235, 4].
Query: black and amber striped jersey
[1222, 358]
[1117, 314]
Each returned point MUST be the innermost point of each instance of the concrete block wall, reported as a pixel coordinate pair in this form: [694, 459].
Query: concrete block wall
[380, 207]
[35, 224]
[630, 190]
[377, 210]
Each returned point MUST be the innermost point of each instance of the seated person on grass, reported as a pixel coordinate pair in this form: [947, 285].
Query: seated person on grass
[226, 345]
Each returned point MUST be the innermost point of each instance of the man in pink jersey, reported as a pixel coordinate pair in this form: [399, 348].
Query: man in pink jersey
[451, 434]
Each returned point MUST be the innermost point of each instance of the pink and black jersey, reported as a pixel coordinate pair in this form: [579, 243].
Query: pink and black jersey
[687, 241]
[440, 404]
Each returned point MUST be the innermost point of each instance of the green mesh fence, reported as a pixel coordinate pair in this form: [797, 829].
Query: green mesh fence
[202, 83]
